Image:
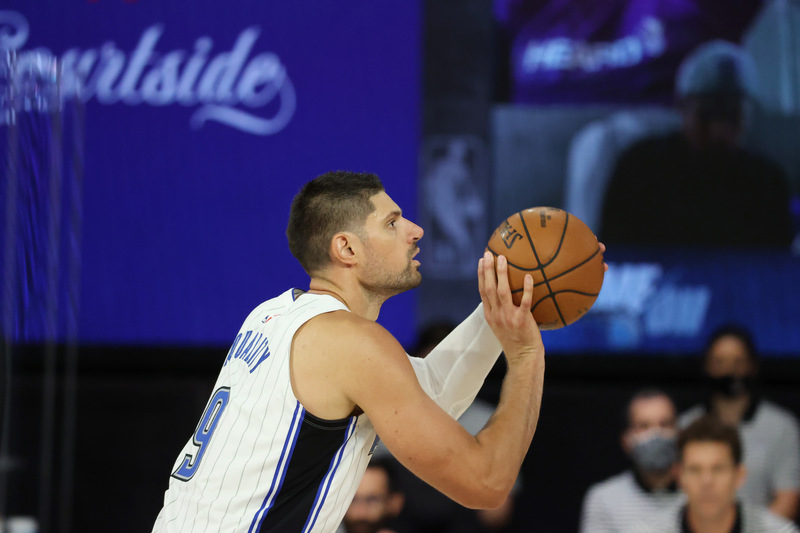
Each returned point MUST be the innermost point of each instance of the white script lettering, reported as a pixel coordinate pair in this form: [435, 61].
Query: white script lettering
[228, 86]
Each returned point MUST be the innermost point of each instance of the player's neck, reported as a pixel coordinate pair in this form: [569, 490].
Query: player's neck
[358, 300]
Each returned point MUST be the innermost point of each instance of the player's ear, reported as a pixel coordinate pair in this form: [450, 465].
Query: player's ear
[343, 248]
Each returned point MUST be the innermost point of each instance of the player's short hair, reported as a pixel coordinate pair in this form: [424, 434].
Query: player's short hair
[709, 429]
[333, 202]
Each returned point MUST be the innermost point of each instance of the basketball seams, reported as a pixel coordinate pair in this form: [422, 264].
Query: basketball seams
[560, 242]
[558, 250]
[562, 274]
[522, 269]
[562, 291]
[541, 266]
[570, 291]
[576, 291]
[578, 265]
[552, 240]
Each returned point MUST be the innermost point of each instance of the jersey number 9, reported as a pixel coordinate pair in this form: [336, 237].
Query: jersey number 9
[202, 435]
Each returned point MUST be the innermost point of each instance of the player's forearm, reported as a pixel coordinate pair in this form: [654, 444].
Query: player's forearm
[507, 436]
[454, 371]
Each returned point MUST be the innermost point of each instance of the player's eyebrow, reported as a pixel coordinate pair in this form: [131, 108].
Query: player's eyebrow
[396, 213]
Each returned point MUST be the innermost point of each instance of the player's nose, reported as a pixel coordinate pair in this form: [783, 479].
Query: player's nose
[416, 232]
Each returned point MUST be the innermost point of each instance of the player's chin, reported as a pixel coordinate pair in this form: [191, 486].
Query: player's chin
[415, 279]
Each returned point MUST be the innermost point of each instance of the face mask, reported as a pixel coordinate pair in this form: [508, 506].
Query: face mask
[655, 453]
[731, 386]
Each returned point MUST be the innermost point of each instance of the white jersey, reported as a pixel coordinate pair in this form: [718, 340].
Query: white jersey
[258, 460]
[615, 504]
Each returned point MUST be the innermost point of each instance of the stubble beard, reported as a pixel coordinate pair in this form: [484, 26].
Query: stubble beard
[387, 284]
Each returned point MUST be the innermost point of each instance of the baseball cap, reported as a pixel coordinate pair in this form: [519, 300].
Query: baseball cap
[717, 67]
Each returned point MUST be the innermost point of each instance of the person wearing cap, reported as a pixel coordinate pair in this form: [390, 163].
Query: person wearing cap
[699, 186]
[770, 434]
[649, 440]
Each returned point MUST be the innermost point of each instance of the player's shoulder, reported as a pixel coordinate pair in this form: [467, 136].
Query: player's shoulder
[340, 322]
[347, 334]
[335, 356]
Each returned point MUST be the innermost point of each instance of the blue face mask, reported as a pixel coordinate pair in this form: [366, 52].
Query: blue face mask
[656, 453]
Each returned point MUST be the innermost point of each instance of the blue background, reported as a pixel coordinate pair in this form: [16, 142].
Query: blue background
[183, 229]
[695, 292]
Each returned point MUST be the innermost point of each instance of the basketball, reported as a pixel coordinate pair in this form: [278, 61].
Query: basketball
[563, 256]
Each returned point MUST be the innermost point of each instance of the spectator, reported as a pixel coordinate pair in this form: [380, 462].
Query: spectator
[710, 470]
[699, 186]
[378, 500]
[614, 505]
[770, 433]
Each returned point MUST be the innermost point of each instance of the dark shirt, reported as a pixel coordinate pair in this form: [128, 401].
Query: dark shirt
[737, 525]
[665, 192]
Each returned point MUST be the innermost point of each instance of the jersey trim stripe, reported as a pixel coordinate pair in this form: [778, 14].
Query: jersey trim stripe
[326, 483]
[271, 466]
[280, 471]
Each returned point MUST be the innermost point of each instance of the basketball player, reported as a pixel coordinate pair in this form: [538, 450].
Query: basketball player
[311, 378]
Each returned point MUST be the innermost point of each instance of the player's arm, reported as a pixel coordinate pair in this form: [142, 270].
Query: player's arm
[474, 471]
[454, 371]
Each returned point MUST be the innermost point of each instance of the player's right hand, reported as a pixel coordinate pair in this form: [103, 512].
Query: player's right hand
[513, 325]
